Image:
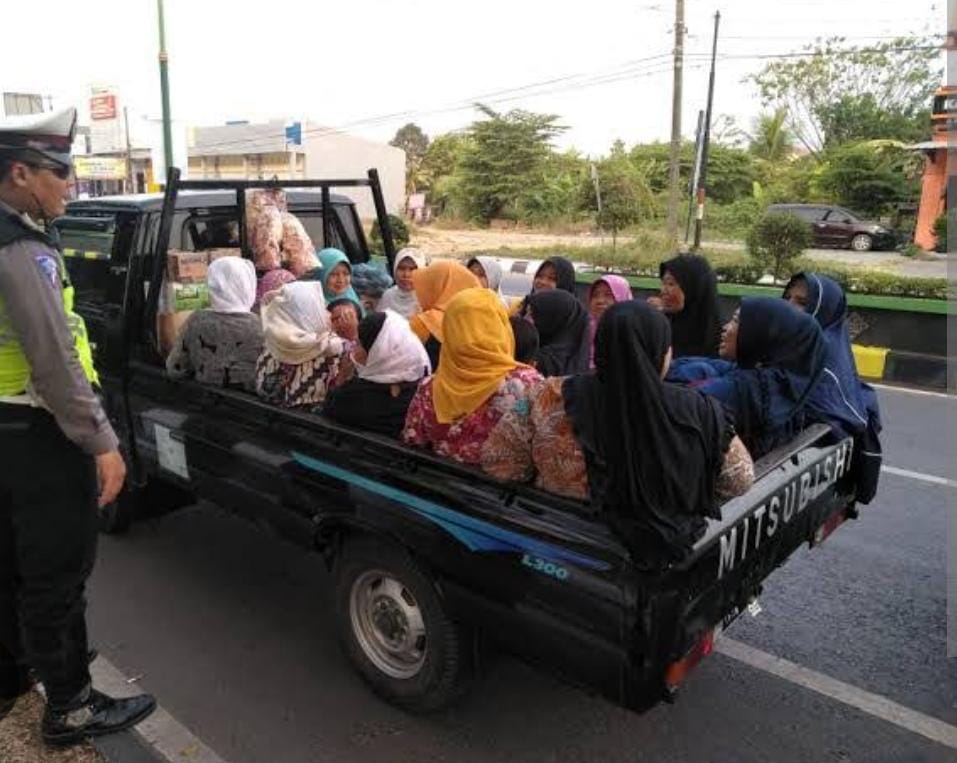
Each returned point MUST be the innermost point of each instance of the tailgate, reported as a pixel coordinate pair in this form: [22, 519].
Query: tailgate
[802, 499]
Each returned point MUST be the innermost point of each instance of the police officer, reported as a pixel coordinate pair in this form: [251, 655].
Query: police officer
[59, 456]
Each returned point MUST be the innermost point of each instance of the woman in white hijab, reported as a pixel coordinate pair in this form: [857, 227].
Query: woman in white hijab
[303, 358]
[489, 274]
[220, 345]
[389, 361]
[401, 297]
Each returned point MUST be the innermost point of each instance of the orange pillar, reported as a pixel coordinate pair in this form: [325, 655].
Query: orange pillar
[932, 198]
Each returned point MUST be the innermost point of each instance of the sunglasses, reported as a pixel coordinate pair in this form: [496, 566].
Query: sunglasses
[61, 171]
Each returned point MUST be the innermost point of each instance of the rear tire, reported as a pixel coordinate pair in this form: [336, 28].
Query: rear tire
[862, 243]
[393, 626]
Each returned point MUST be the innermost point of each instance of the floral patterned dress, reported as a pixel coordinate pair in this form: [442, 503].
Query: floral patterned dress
[539, 443]
[463, 439]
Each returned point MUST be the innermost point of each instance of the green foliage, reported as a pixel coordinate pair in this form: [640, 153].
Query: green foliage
[558, 196]
[776, 241]
[625, 197]
[940, 230]
[859, 117]
[867, 177]
[415, 143]
[731, 174]
[771, 140]
[734, 219]
[400, 235]
[651, 159]
[505, 160]
[826, 89]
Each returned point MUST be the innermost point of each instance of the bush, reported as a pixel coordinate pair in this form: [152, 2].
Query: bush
[940, 230]
[400, 235]
[776, 241]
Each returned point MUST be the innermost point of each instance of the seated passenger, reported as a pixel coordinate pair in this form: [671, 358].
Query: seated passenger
[562, 324]
[526, 340]
[489, 273]
[302, 356]
[271, 280]
[401, 297]
[435, 287]
[370, 282]
[478, 381]
[689, 297]
[220, 345]
[389, 361]
[336, 275]
[345, 314]
[774, 358]
[602, 294]
[841, 400]
[653, 458]
[554, 273]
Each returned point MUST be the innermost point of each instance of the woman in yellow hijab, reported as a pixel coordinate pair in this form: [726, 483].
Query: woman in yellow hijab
[435, 286]
[477, 383]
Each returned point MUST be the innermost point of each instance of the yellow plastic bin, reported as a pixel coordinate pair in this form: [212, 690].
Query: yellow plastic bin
[870, 361]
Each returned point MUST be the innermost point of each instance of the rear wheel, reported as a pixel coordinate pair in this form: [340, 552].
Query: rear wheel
[394, 628]
[862, 243]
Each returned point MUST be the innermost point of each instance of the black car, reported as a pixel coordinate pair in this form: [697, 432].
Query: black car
[836, 227]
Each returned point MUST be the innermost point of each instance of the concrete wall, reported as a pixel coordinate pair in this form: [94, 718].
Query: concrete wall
[332, 154]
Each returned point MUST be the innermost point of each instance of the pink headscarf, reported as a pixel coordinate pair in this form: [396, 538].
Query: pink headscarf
[271, 281]
[621, 291]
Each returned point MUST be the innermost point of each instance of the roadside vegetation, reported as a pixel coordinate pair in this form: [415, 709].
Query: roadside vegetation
[835, 130]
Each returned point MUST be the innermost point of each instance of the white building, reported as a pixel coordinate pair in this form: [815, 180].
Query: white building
[297, 150]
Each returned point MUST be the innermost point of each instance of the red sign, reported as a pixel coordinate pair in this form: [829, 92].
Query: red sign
[103, 107]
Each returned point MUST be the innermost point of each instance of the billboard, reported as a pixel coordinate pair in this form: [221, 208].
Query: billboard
[99, 168]
[106, 122]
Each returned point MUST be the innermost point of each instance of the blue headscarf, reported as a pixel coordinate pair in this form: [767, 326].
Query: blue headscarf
[329, 258]
[842, 400]
[781, 356]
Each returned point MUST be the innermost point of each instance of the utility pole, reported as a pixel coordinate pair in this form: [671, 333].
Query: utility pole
[702, 178]
[164, 89]
[130, 188]
[675, 157]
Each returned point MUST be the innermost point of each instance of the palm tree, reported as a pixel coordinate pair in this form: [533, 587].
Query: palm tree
[770, 138]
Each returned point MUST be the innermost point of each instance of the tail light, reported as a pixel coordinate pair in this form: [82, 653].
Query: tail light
[676, 672]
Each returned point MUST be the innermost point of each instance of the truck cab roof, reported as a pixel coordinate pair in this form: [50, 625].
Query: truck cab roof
[153, 202]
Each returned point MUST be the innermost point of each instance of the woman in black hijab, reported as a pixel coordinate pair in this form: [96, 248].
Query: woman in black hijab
[562, 323]
[653, 451]
[555, 273]
[689, 297]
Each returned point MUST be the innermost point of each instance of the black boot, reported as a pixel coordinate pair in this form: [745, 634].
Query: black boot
[97, 716]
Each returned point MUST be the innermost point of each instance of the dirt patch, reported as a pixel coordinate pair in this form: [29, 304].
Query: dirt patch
[20, 740]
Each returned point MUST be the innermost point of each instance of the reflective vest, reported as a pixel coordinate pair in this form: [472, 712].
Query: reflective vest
[14, 368]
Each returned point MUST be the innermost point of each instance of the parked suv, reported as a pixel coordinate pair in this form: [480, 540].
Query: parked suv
[837, 227]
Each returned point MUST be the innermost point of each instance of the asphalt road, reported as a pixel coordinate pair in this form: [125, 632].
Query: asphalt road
[231, 629]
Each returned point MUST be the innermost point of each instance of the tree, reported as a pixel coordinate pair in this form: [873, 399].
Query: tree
[415, 143]
[777, 240]
[505, 159]
[859, 117]
[731, 173]
[770, 139]
[625, 196]
[868, 177]
[900, 75]
[558, 195]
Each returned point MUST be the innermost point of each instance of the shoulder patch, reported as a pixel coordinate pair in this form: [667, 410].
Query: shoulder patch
[49, 268]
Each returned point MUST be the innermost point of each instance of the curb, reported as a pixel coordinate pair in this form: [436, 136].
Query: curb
[900, 367]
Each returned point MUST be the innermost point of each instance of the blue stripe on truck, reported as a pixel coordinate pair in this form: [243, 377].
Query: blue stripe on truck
[475, 534]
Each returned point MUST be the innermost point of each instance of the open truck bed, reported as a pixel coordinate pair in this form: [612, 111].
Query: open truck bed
[432, 558]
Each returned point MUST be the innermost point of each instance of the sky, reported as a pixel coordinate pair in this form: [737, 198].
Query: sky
[370, 66]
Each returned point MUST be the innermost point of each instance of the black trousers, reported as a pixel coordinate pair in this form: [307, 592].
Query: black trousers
[48, 533]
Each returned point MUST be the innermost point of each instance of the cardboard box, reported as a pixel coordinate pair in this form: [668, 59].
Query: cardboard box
[186, 267]
[168, 326]
[215, 254]
[177, 297]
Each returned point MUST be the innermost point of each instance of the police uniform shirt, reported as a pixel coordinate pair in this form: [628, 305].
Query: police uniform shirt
[31, 292]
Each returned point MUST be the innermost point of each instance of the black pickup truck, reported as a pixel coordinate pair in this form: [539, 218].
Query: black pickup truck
[432, 560]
